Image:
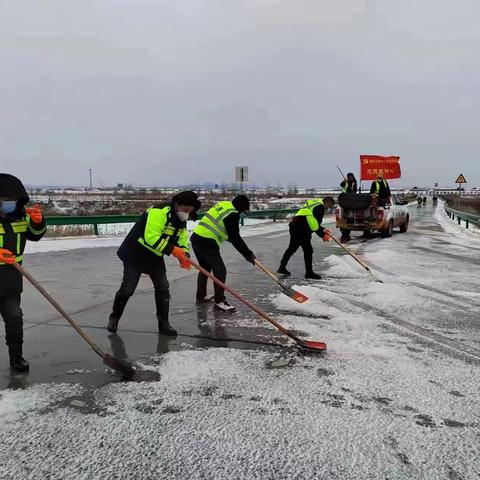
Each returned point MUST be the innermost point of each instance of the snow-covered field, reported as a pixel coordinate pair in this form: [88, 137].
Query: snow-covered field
[395, 397]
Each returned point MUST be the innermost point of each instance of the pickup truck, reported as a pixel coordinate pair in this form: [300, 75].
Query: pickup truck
[360, 212]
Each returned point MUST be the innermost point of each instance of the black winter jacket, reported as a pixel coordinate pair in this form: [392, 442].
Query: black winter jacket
[15, 229]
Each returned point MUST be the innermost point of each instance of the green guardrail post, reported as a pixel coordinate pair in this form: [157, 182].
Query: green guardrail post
[95, 229]
[466, 223]
[459, 220]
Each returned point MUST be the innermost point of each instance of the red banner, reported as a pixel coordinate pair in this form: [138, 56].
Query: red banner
[372, 165]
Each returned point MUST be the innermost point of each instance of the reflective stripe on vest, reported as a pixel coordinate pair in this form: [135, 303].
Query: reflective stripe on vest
[19, 227]
[211, 225]
[31, 227]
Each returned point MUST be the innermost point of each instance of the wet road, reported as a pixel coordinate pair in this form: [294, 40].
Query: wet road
[84, 281]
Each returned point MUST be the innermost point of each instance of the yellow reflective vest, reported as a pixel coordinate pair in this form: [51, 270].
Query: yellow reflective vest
[212, 223]
[307, 211]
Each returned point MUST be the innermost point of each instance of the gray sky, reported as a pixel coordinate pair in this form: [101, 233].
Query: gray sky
[179, 91]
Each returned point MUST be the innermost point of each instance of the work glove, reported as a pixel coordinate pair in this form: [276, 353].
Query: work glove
[6, 256]
[35, 214]
[182, 257]
[326, 235]
[251, 258]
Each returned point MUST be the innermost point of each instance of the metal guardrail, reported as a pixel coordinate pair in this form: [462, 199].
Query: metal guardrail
[97, 220]
[468, 218]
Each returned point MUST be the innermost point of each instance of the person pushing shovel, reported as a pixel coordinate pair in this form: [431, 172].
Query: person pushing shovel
[161, 230]
[219, 224]
[306, 221]
[17, 225]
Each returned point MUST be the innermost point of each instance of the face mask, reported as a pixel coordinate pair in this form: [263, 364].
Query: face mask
[8, 206]
[183, 216]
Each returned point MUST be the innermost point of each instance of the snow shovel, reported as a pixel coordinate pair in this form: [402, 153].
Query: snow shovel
[289, 291]
[366, 267]
[124, 368]
[307, 345]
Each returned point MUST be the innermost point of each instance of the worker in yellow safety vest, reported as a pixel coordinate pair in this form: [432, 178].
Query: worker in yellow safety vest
[381, 189]
[17, 225]
[307, 220]
[161, 230]
[219, 224]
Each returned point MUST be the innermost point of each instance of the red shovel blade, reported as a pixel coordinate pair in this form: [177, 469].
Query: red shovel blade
[294, 295]
[300, 297]
[316, 346]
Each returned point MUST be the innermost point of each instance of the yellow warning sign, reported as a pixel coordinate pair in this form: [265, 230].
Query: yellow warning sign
[460, 179]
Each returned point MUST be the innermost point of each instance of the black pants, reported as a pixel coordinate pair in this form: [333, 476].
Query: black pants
[208, 255]
[13, 317]
[345, 233]
[131, 277]
[299, 239]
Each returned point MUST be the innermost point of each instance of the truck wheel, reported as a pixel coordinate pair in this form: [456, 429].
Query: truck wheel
[388, 232]
[404, 227]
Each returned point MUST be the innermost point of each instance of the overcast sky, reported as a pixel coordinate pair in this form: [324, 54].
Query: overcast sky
[177, 91]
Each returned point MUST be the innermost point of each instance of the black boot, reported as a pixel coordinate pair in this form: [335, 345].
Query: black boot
[119, 305]
[309, 273]
[163, 307]
[282, 270]
[17, 362]
[112, 323]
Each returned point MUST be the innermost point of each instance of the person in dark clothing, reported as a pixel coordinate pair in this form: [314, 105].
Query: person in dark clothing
[161, 230]
[306, 221]
[219, 224]
[381, 189]
[17, 225]
[349, 184]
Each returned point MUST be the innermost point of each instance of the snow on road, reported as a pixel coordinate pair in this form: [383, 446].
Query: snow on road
[223, 413]
[396, 396]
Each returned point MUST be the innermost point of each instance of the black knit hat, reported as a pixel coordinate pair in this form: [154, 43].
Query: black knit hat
[241, 203]
[187, 198]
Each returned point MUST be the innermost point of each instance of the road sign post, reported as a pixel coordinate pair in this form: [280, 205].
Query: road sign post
[460, 180]
[241, 175]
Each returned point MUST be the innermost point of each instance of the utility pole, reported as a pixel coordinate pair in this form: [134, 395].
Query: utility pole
[91, 183]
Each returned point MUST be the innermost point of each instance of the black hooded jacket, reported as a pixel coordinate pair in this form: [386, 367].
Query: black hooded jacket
[15, 229]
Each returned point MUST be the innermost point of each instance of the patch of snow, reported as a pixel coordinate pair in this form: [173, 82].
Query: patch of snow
[451, 226]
